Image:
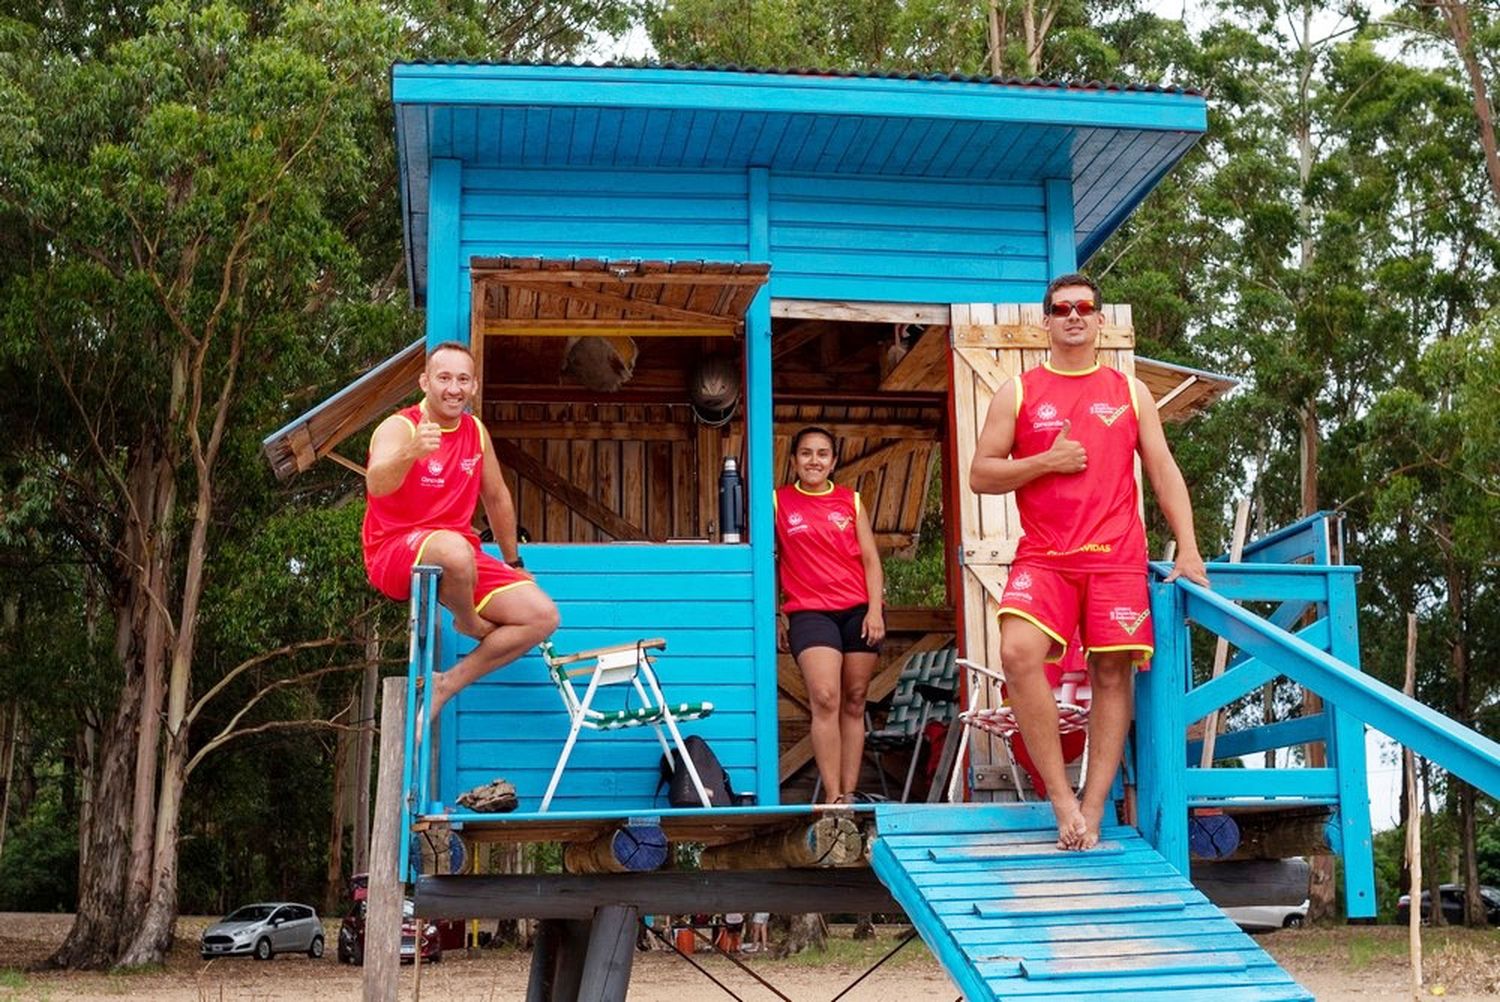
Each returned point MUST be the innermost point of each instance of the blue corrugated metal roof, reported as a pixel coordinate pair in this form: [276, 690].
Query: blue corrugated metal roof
[1112, 142]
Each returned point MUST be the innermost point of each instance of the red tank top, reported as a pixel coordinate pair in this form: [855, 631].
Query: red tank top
[817, 549]
[440, 490]
[1089, 520]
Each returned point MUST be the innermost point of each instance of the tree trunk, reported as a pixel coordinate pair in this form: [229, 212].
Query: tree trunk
[1457, 16]
[1430, 870]
[805, 932]
[153, 937]
[156, 503]
[365, 748]
[97, 933]
[333, 878]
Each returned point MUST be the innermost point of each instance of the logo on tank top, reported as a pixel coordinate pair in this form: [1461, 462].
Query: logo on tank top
[435, 467]
[795, 523]
[1021, 581]
[1109, 415]
[840, 520]
[1046, 417]
[1128, 619]
[468, 465]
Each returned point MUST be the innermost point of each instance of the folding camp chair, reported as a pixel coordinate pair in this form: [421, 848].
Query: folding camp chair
[995, 715]
[622, 664]
[925, 693]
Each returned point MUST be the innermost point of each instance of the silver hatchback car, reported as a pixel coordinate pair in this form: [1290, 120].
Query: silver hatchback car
[263, 931]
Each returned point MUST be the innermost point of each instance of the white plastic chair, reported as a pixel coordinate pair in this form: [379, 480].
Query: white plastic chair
[622, 664]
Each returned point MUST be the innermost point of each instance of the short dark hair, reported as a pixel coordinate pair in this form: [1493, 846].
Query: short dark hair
[1062, 281]
[450, 346]
[812, 429]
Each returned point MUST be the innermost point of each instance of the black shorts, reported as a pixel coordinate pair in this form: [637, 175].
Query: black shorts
[839, 630]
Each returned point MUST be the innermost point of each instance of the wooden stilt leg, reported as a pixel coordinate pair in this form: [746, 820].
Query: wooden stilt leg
[571, 957]
[606, 972]
[544, 947]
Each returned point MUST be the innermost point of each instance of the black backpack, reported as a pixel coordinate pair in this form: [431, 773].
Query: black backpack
[680, 791]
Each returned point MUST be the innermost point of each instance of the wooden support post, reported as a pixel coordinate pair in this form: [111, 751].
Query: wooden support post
[544, 950]
[383, 908]
[1221, 647]
[572, 954]
[830, 840]
[1413, 822]
[606, 969]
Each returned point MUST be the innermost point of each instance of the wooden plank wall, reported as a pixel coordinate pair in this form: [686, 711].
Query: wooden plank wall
[646, 463]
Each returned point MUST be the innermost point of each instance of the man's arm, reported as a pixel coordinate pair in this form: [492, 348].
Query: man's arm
[499, 508]
[1171, 490]
[994, 472]
[393, 448]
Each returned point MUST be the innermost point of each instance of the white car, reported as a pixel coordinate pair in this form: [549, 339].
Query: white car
[263, 931]
[1269, 916]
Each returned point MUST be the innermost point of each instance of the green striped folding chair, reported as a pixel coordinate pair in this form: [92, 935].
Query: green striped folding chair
[622, 664]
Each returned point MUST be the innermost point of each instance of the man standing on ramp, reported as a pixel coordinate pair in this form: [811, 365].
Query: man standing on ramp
[1064, 437]
[429, 465]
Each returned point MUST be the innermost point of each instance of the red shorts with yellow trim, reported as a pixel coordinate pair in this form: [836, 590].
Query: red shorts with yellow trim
[389, 568]
[1109, 610]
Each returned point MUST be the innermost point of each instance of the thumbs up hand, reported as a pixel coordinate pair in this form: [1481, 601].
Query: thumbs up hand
[1066, 455]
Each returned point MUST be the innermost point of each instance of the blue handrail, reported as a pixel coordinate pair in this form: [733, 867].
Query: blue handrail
[1464, 752]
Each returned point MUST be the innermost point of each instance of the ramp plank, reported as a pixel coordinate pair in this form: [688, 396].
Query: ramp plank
[1008, 914]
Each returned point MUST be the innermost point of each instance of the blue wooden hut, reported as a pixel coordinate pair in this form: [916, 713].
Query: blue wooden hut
[864, 251]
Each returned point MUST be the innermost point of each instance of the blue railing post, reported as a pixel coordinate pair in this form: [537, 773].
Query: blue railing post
[417, 744]
[1346, 753]
[1161, 730]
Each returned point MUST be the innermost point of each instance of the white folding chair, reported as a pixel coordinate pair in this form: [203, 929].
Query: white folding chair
[621, 664]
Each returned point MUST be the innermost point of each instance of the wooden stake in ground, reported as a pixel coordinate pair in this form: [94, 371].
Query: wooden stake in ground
[1413, 819]
[383, 905]
[1221, 649]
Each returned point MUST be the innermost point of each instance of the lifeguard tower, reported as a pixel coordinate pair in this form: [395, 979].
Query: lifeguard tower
[865, 252]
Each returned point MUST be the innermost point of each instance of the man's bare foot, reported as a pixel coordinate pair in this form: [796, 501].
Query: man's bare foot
[473, 625]
[442, 691]
[1072, 827]
[1094, 817]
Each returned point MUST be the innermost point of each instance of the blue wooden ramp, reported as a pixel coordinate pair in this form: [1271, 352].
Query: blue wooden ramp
[1010, 916]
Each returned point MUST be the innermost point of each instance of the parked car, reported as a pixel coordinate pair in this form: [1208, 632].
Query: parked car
[352, 935]
[1269, 916]
[264, 930]
[1452, 896]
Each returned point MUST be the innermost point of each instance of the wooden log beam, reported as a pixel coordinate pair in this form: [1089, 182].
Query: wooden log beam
[1278, 834]
[623, 328]
[862, 312]
[595, 431]
[794, 337]
[602, 854]
[830, 840]
[576, 896]
[924, 367]
[1253, 882]
[573, 497]
[875, 459]
[625, 304]
[858, 429]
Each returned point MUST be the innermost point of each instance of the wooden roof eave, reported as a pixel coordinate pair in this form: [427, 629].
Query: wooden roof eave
[314, 434]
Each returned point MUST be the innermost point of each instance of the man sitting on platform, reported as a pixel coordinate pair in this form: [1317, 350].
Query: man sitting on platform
[1064, 437]
[429, 464]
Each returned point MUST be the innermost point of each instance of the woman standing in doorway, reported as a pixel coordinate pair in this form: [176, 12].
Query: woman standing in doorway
[832, 611]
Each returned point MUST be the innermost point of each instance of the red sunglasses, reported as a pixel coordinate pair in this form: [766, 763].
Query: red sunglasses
[1084, 308]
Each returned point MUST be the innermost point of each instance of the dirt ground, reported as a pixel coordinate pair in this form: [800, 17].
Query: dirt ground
[1338, 964]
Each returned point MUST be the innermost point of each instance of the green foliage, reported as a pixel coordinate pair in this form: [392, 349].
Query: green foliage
[39, 868]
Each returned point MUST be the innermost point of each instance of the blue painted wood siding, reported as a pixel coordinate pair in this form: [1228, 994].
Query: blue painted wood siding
[907, 240]
[830, 238]
[699, 597]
